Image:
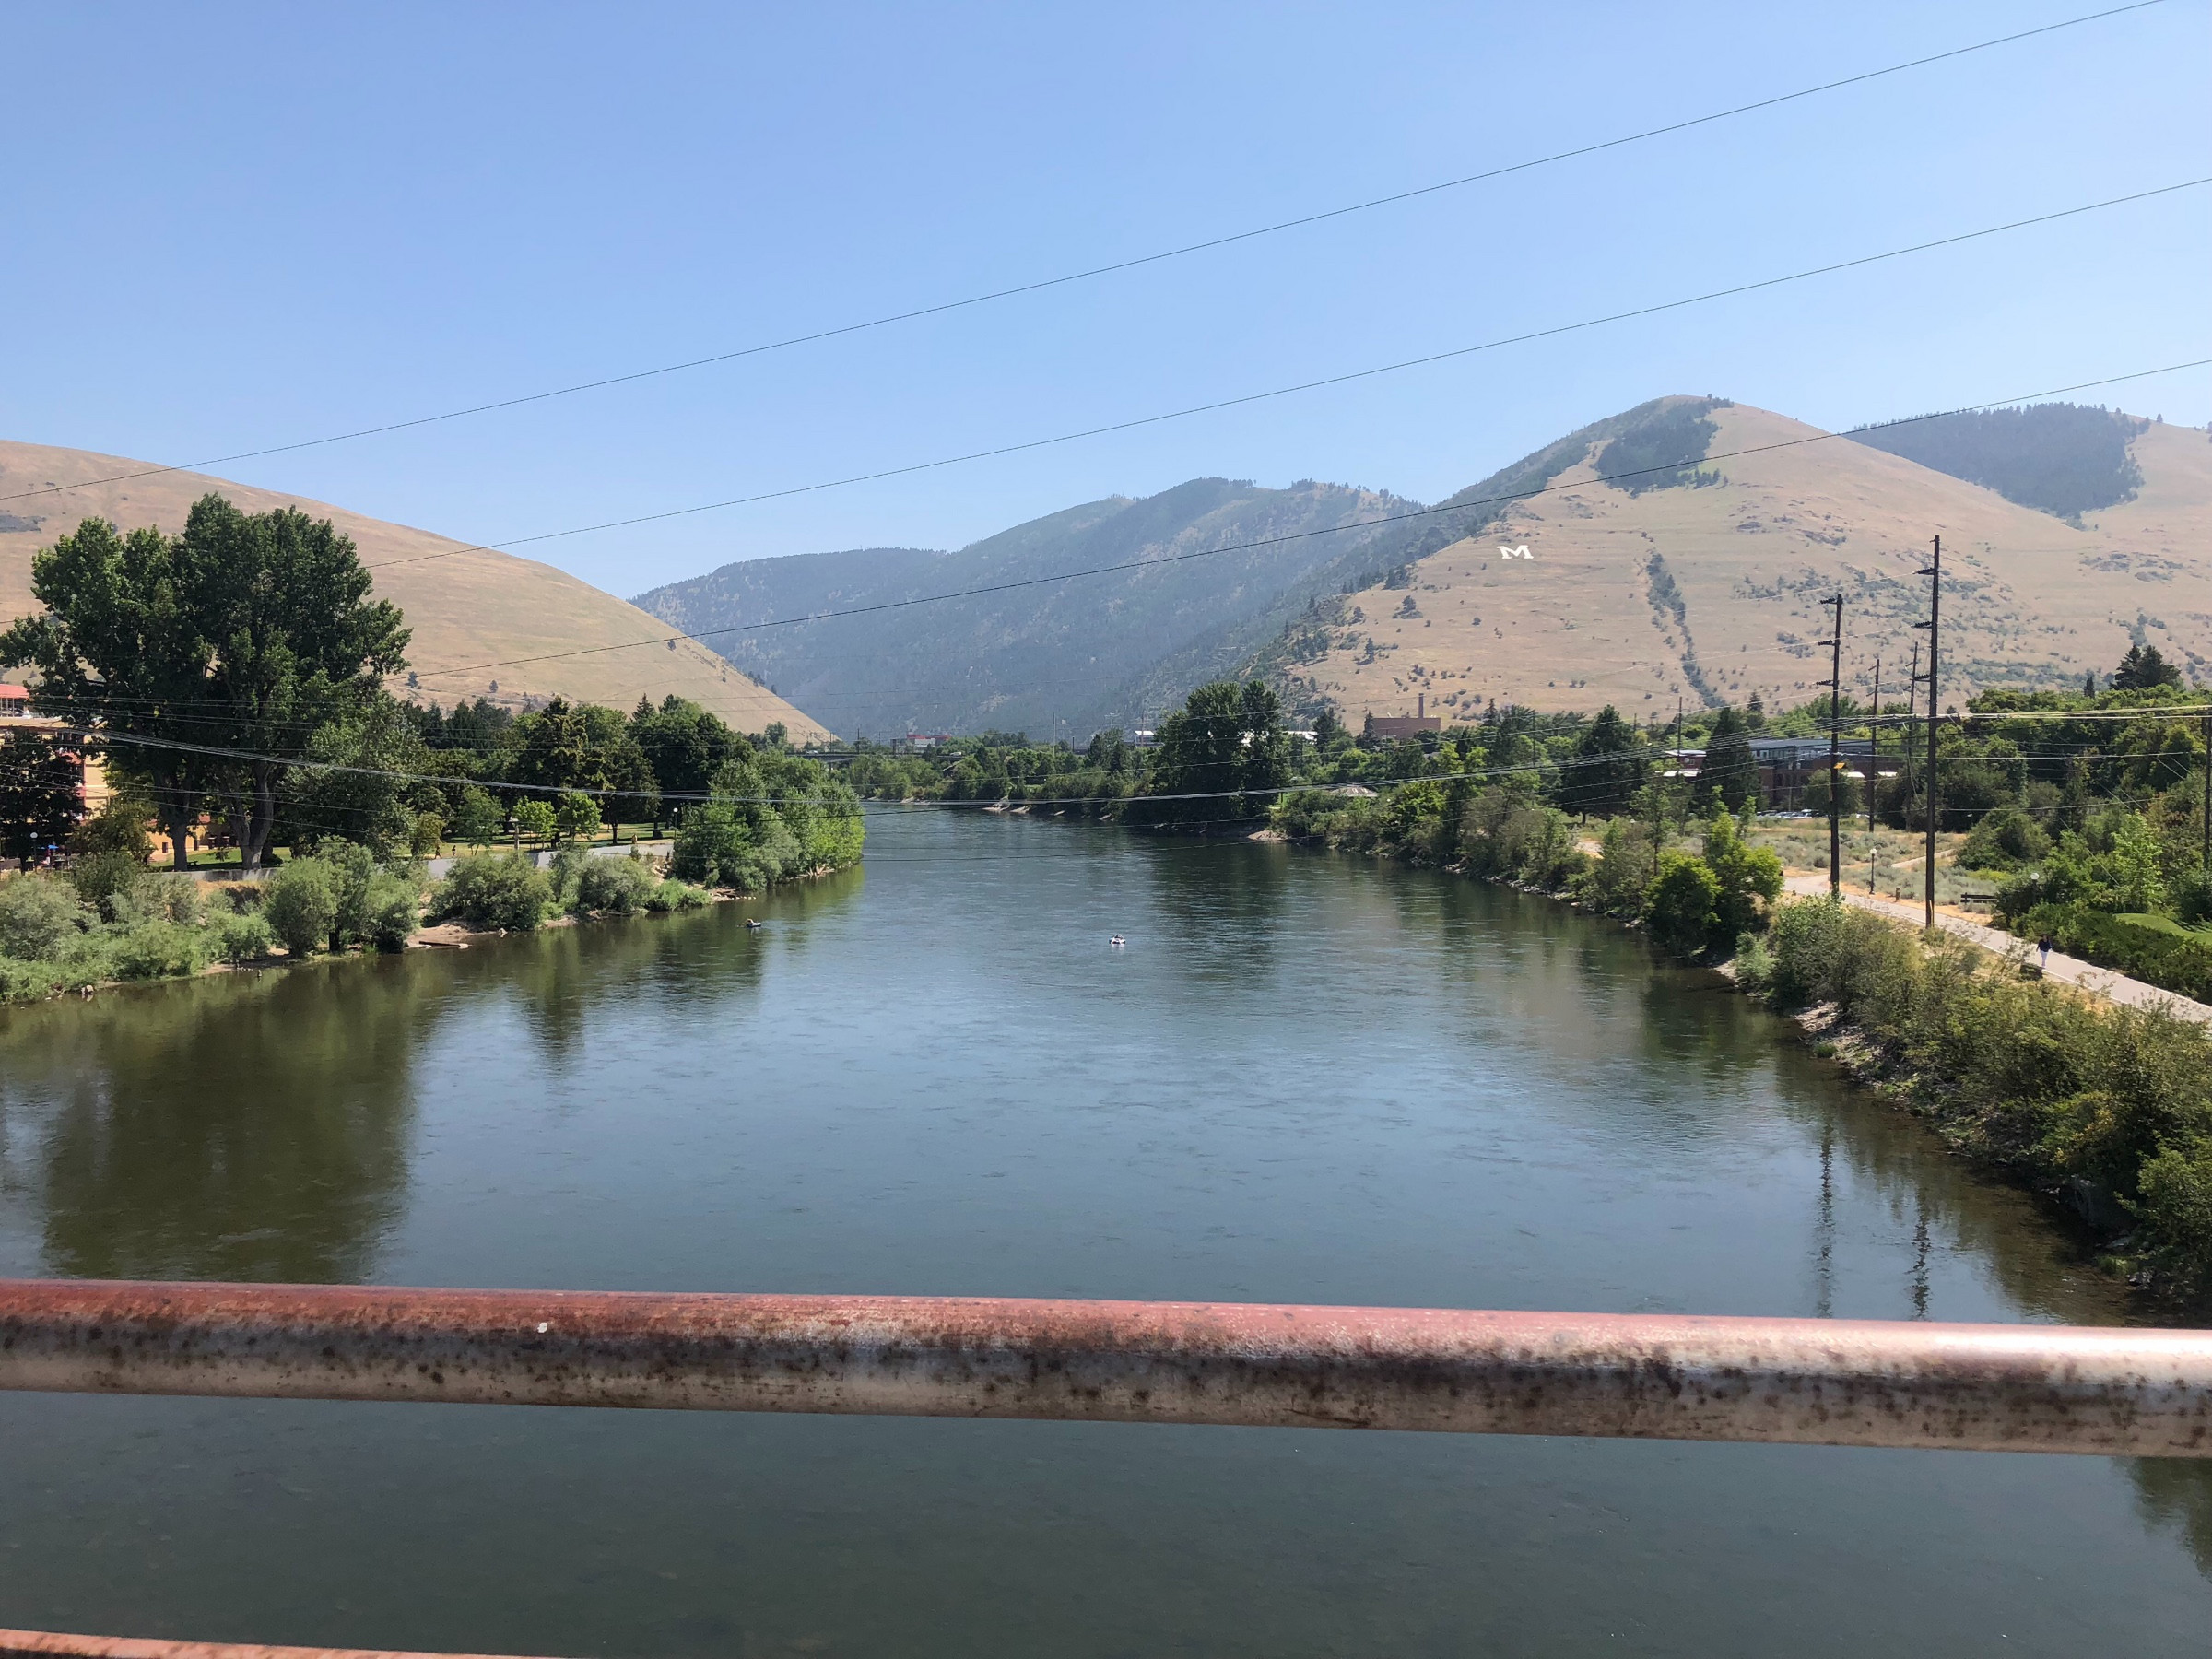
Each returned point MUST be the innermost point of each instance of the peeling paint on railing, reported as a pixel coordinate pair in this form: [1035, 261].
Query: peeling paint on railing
[1855, 1383]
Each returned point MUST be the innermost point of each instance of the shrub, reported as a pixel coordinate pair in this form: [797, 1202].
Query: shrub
[28, 982]
[99, 876]
[1749, 879]
[2148, 948]
[353, 867]
[244, 895]
[2115, 1101]
[1616, 881]
[675, 896]
[1681, 910]
[36, 912]
[565, 872]
[159, 949]
[244, 936]
[391, 911]
[2175, 1207]
[617, 886]
[118, 827]
[153, 896]
[496, 890]
[302, 904]
[1754, 962]
[2007, 838]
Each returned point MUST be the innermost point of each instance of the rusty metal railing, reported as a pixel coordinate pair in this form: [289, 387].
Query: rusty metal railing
[1849, 1382]
[53, 1645]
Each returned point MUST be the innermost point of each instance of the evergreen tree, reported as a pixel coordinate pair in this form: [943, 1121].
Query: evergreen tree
[2145, 669]
[1613, 767]
[1729, 776]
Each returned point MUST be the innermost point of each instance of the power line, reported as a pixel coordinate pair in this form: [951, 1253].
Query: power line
[1102, 270]
[1454, 505]
[1312, 386]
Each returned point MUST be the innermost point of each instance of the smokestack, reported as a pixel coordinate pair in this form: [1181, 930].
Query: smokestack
[1420, 705]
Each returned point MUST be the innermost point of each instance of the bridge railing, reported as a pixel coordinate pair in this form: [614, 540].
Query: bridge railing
[2104, 1390]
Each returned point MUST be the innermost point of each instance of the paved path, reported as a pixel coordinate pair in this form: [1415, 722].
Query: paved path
[2073, 970]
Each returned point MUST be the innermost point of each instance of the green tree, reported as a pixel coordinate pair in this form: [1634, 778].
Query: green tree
[2144, 668]
[685, 746]
[576, 815]
[477, 818]
[1225, 740]
[118, 648]
[350, 783]
[246, 634]
[1682, 906]
[118, 827]
[1746, 880]
[1728, 776]
[302, 904]
[40, 799]
[534, 818]
[1611, 767]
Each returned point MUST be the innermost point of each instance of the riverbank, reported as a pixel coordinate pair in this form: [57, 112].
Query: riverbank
[2102, 1110]
[58, 940]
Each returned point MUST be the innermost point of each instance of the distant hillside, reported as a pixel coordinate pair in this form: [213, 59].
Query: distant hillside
[1056, 659]
[465, 605]
[1699, 575]
[2059, 458]
[1710, 588]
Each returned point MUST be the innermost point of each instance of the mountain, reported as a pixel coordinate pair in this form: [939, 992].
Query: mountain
[1706, 581]
[1049, 658]
[465, 605]
[1697, 572]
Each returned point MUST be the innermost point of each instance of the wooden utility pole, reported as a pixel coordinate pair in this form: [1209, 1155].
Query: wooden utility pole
[1835, 753]
[1874, 775]
[1934, 572]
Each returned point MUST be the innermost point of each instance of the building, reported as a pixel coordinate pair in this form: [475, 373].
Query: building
[1393, 728]
[92, 789]
[1787, 764]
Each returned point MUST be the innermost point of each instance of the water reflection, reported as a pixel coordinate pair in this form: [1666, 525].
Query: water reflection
[2175, 1494]
[1306, 1078]
[253, 1127]
[260, 1126]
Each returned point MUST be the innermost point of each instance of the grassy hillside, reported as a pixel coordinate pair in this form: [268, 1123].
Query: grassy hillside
[465, 605]
[1056, 659]
[1712, 588]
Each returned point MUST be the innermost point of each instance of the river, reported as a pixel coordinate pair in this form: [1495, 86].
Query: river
[1305, 1078]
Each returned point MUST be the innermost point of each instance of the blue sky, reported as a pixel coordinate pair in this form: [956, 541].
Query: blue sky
[235, 226]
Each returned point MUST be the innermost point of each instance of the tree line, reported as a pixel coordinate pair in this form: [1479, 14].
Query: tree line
[234, 674]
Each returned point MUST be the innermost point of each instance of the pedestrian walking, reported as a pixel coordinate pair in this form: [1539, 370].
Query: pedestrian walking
[2043, 945]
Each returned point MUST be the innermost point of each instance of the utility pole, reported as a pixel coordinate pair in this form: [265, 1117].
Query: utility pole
[1874, 775]
[1678, 759]
[1835, 754]
[1934, 572]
